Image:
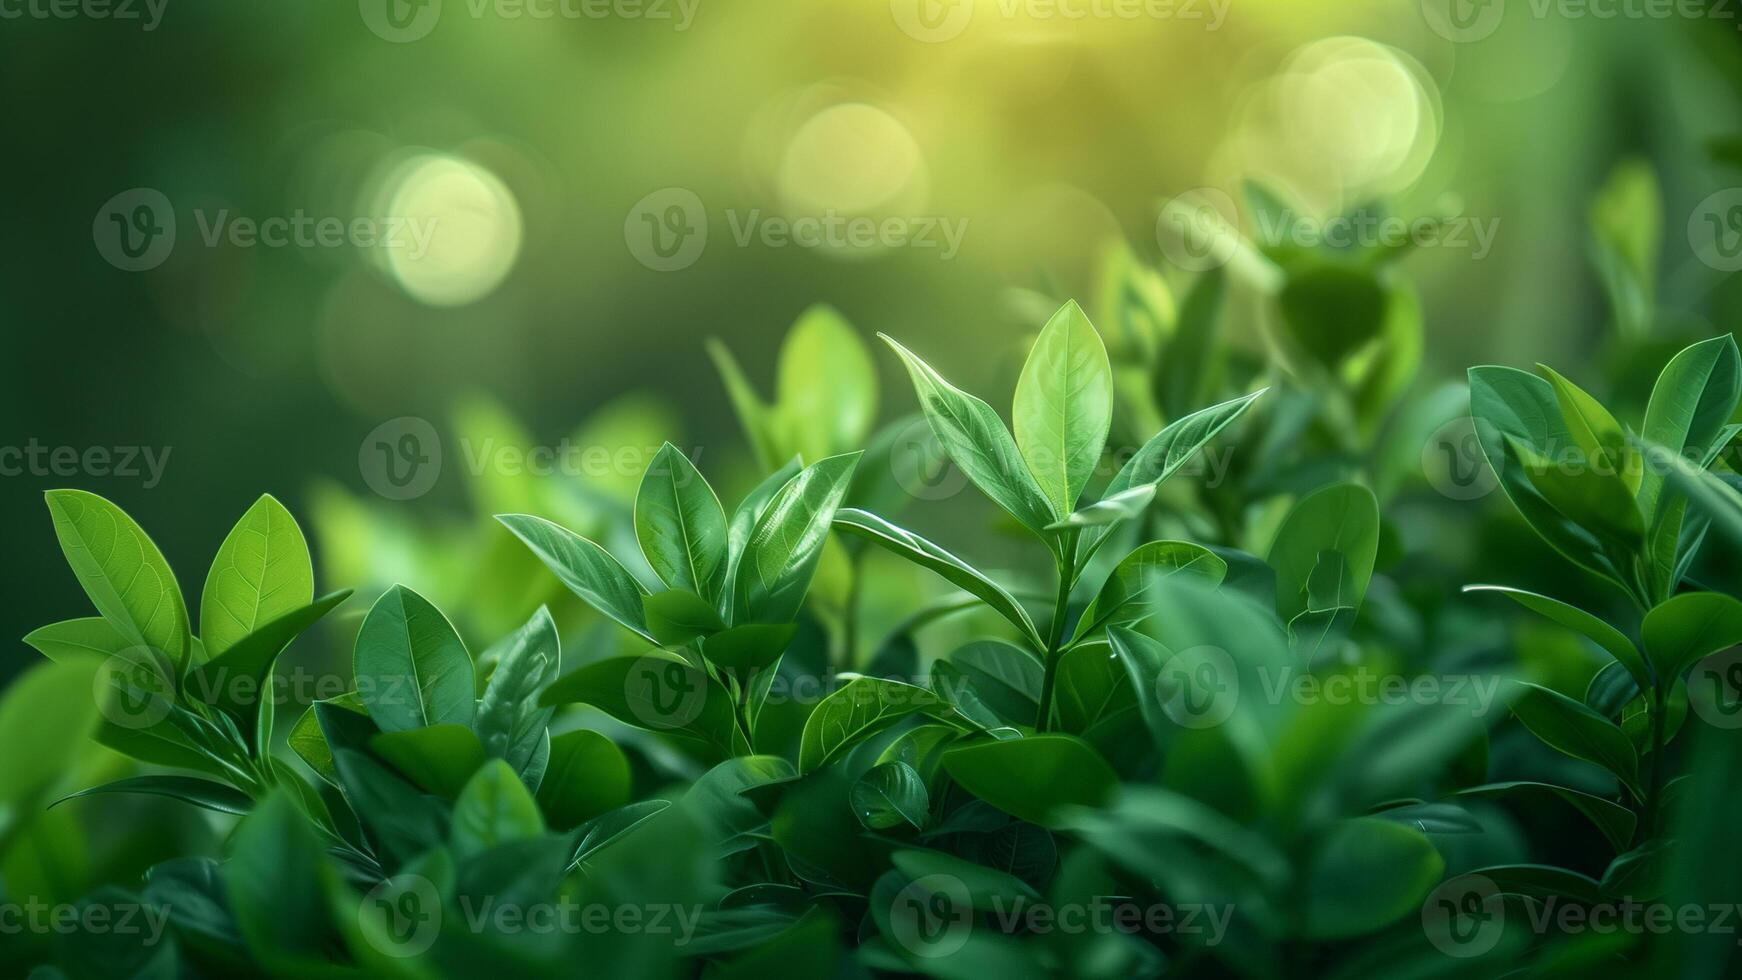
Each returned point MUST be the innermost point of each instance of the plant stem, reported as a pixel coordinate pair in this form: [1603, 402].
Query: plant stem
[1055, 637]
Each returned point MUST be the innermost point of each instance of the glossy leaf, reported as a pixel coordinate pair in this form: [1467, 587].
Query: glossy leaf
[1608, 637]
[975, 438]
[1692, 401]
[752, 646]
[676, 617]
[1683, 629]
[782, 551]
[203, 793]
[681, 526]
[1121, 597]
[89, 639]
[509, 723]
[1569, 727]
[1064, 407]
[860, 708]
[1035, 778]
[587, 569]
[412, 669]
[889, 795]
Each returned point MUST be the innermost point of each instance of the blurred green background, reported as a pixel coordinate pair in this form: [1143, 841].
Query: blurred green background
[532, 142]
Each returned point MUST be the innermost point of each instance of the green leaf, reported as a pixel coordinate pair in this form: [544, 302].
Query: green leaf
[1683, 629]
[889, 795]
[1188, 369]
[412, 669]
[238, 681]
[1343, 519]
[781, 553]
[986, 889]
[825, 389]
[1597, 501]
[1709, 494]
[1092, 684]
[1594, 430]
[656, 691]
[1064, 407]
[1007, 678]
[927, 555]
[278, 883]
[587, 569]
[588, 776]
[1626, 219]
[976, 440]
[681, 526]
[1507, 406]
[439, 759]
[1693, 400]
[677, 616]
[310, 744]
[493, 808]
[200, 792]
[509, 723]
[1122, 506]
[262, 571]
[1122, 595]
[755, 416]
[1582, 622]
[1366, 874]
[859, 709]
[90, 639]
[402, 820]
[1171, 448]
[1573, 729]
[1333, 308]
[46, 714]
[122, 571]
[1033, 778]
[1614, 820]
[752, 646]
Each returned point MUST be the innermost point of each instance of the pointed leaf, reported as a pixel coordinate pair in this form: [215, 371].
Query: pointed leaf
[122, 571]
[412, 669]
[262, 571]
[1578, 620]
[1684, 628]
[681, 526]
[781, 553]
[510, 724]
[587, 569]
[1064, 407]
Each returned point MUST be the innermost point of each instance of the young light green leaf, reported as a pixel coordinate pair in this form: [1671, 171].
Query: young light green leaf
[493, 808]
[122, 571]
[1580, 621]
[860, 708]
[1594, 430]
[89, 639]
[262, 571]
[217, 682]
[1064, 407]
[753, 414]
[826, 387]
[781, 553]
[1121, 597]
[510, 724]
[889, 795]
[412, 669]
[928, 555]
[587, 569]
[681, 526]
[975, 438]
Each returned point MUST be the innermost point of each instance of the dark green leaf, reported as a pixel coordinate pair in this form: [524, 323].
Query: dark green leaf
[585, 568]
[412, 669]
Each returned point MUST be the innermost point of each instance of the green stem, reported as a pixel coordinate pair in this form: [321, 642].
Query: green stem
[1055, 635]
